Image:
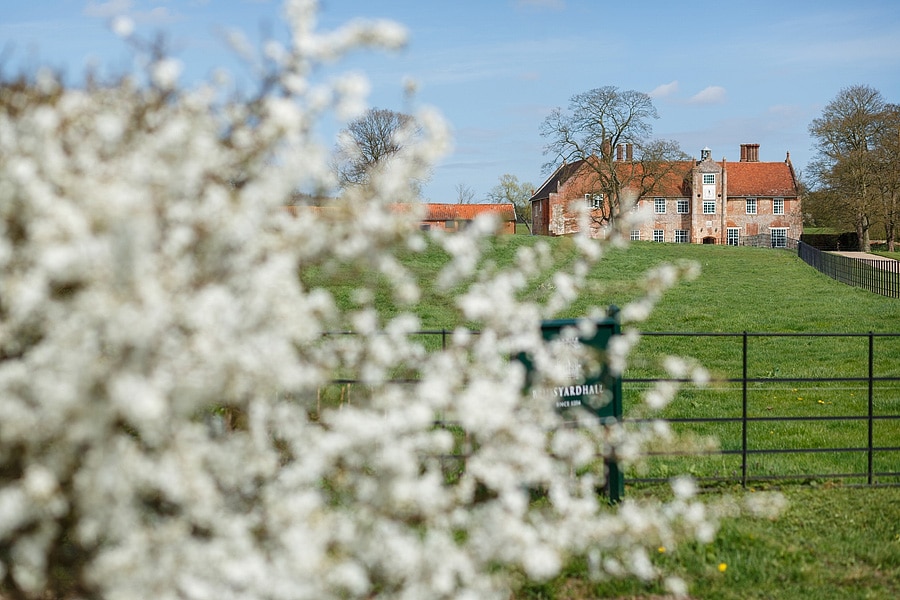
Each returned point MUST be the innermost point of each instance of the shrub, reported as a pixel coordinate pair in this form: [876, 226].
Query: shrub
[160, 359]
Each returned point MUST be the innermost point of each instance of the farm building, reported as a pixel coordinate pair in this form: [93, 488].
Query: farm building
[453, 217]
[693, 201]
[447, 217]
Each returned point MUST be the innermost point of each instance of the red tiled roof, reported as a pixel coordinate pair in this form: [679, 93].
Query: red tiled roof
[675, 181]
[432, 212]
[760, 179]
[744, 179]
[451, 212]
[560, 175]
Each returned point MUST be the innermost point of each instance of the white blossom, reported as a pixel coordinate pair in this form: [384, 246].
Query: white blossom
[173, 369]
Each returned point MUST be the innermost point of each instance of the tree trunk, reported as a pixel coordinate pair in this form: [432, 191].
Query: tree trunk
[862, 233]
[890, 223]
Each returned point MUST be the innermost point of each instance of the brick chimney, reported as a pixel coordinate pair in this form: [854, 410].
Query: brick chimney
[749, 152]
[629, 152]
[620, 152]
[605, 148]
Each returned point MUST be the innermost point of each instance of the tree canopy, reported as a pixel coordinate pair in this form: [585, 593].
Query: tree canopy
[856, 169]
[509, 190]
[598, 122]
[369, 142]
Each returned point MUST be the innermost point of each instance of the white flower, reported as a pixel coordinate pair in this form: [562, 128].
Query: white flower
[123, 26]
[179, 395]
[166, 72]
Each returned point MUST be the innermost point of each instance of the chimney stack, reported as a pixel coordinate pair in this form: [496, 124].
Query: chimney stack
[749, 152]
[629, 152]
[620, 149]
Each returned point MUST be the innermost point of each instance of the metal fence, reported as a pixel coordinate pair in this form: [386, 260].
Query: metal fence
[881, 276]
[856, 374]
[865, 429]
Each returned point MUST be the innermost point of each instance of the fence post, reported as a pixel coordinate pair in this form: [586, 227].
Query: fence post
[744, 415]
[871, 408]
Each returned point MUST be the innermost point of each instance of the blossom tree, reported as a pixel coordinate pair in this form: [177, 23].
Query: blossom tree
[160, 359]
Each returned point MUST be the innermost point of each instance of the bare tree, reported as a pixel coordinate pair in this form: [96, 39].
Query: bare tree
[849, 139]
[518, 194]
[600, 121]
[368, 142]
[464, 194]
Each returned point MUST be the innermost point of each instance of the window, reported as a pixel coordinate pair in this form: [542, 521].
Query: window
[734, 236]
[594, 201]
[779, 237]
[709, 207]
[683, 207]
[682, 236]
[635, 235]
[658, 235]
[778, 206]
[709, 179]
[751, 206]
[660, 205]
[449, 224]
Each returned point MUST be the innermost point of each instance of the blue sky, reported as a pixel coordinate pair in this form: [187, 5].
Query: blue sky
[720, 73]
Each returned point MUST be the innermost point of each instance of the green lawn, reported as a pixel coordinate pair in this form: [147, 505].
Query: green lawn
[834, 541]
[830, 543]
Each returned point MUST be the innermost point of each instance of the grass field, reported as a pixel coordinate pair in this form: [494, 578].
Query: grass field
[834, 541]
[830, 543]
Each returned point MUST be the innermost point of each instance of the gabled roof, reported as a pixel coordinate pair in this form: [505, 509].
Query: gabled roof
[760, 179]
[674, 182]
[560, 175]
[744, 178]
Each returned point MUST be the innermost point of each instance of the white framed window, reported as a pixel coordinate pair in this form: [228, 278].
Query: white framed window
[635, 235]
[709, 179]
[682, 236]
[709, 207]
[683, 206]
[777, 206]
[658, 235]
[594, 201]
[751, 206]
[659, 205]
[733, 236]
[779, 237]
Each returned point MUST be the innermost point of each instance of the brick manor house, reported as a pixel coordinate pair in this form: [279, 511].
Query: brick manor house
[694, 201]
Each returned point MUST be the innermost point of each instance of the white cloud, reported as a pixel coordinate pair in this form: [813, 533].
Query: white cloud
[714, 94]
[666, 89]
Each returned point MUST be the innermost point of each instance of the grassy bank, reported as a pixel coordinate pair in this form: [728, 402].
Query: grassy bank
[830, 543]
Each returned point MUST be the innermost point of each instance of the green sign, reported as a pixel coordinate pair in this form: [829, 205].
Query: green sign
[592, 386]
